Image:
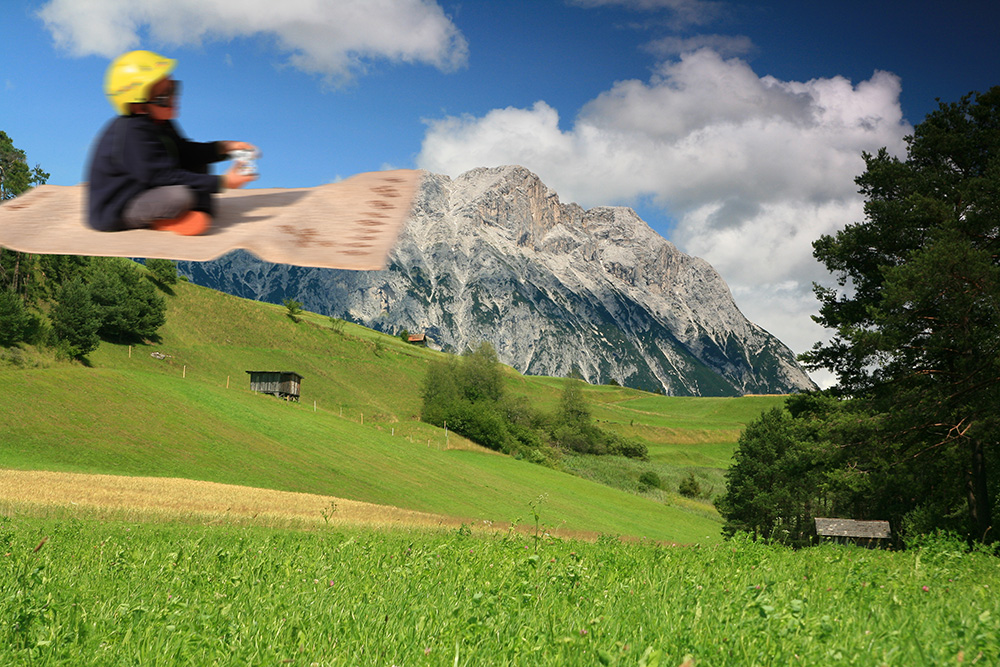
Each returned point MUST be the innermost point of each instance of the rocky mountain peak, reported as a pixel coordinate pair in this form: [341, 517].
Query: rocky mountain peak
[495, 255]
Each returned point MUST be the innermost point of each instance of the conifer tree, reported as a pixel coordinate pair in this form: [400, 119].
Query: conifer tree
[75, 319]
[916, 310]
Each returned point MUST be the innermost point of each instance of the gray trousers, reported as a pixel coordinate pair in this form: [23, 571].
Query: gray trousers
[163, 203]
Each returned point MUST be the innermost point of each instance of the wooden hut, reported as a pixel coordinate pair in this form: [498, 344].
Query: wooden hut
[283, 384]
[851, 531]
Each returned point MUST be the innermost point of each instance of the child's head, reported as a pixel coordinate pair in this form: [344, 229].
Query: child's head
[163, 97]
[140, 81]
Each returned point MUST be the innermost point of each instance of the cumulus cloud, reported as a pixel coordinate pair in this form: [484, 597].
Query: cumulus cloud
[332, 39]
[750, 168]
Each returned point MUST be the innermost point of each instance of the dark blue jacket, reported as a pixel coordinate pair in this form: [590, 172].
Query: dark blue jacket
[135, 154]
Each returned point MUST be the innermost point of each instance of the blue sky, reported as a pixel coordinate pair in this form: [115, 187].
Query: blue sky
[734, 128]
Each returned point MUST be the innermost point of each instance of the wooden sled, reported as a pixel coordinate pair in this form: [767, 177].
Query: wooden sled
[352, 224]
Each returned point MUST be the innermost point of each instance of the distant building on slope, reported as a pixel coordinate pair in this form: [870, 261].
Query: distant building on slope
[283, 384]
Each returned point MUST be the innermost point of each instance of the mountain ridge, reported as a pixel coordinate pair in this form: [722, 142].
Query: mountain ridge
[495, 255]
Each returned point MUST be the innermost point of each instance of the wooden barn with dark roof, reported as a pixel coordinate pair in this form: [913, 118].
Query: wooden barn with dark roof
[283, 384]
[852, 531]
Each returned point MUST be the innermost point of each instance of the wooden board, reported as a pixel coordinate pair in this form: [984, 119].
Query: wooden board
[352, 224]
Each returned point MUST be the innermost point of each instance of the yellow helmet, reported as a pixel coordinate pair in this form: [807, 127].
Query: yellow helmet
[131, 75]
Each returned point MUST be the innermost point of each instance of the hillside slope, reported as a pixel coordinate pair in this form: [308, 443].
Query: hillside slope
[355, 435]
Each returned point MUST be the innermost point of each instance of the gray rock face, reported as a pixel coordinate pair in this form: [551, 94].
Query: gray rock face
[494, 255]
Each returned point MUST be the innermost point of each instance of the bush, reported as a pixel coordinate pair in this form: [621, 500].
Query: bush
[689, 487]
[579, 438]
[163, 271]
[294, 308]
[650, 480]
[14, 357]
[622, 446]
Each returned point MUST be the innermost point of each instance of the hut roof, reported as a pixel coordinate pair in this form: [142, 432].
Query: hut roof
[278, 372]
[852, 528]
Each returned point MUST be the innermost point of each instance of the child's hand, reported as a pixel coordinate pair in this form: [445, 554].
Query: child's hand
[233, 179]
[230, 146]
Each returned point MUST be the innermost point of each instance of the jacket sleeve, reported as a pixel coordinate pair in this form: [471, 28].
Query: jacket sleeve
[196, 155]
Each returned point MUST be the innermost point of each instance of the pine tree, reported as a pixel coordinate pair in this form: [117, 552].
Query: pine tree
[917, 310]
[13, 318]
[75, 319]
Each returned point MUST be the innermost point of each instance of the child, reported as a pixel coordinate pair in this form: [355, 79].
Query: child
[143, 172]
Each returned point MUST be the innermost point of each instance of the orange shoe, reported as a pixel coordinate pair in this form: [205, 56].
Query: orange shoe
[191, 223]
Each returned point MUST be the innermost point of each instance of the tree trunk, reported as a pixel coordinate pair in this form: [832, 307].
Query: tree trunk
[977, 493]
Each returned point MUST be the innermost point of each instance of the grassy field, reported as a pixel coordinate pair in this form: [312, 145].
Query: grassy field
[78, 592]
[188, 413]
[154, 511]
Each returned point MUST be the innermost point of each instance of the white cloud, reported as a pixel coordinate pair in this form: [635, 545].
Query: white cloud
[752, 169]
[332, 39]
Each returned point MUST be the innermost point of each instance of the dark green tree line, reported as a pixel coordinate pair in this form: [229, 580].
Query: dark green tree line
[916, 320]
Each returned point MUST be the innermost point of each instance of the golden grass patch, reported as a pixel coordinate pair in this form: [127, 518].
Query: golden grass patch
[170, 498]
[153, 499]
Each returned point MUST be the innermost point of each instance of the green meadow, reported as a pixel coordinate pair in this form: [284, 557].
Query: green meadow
[181, 407]
[78, 592]
[511, 563]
